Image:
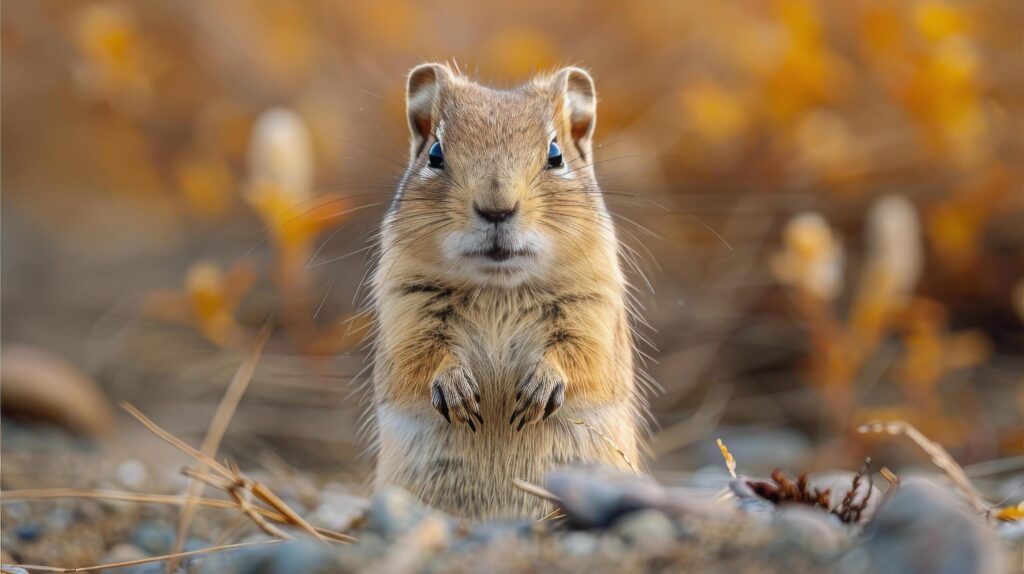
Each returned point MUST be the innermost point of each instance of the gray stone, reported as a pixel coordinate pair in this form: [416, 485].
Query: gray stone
[596, 497]
[923, 529]
[649, 529]
[393, 512]
[153, 537]
[578, 543]
[811, 528]
[292, 557]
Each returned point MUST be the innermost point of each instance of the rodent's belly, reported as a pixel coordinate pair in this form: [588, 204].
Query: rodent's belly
[471, 474]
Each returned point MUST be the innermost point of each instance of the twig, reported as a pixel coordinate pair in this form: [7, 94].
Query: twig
[230, 477]
[214, 434]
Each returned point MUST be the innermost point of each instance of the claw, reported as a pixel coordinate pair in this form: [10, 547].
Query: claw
[455, 394]
[439, 404]
[554, 401]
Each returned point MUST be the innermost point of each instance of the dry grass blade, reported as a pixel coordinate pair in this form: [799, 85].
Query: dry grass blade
[243, 496]
[272, 500]
[175, 556]
[51, 493]
[889, 476]
[597, 432]
[215, 433]
[229, 479]
[555, 514]
[940, 457]
[175, 441]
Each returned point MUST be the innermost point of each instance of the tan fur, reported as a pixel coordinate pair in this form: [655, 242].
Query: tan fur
[476, 337]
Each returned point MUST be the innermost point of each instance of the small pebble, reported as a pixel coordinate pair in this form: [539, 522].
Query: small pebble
[648, 529]
[28, 531]
[292, 557]
[496, 530]
[154, 537]
[60, 518]
[131, 473]
[394, 512]
[579, 543]
[812, 528]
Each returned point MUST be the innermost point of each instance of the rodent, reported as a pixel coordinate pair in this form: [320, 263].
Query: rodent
[500, 305]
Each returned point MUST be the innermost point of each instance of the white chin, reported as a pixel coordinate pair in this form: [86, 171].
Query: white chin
[467, 256]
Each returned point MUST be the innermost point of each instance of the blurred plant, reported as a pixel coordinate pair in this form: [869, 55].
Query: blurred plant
[279, 190]
[208, 302]
[117, 63]
[883, 307]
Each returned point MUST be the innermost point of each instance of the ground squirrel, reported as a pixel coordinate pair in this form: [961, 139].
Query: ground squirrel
[500, 304]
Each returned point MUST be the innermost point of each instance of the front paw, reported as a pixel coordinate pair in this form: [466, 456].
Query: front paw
[539, 395]
[455, 394]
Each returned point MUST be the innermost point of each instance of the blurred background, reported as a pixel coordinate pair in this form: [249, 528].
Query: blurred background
[822, 202]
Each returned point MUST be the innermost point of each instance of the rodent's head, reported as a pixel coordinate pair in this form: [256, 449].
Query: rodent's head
[500, 188]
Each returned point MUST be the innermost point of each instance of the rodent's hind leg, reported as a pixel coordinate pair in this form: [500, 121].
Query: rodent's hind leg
[456, 395]
[539, 395]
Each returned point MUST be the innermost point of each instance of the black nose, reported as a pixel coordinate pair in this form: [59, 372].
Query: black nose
[492, 215]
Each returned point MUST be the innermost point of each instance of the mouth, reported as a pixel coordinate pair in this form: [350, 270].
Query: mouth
[498, 254]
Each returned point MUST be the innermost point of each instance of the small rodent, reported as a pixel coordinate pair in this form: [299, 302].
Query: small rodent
[501, 310]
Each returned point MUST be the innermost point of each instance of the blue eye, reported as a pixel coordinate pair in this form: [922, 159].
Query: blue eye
[554, 155]
[435, 156]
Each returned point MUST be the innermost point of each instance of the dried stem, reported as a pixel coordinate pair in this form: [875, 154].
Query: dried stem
[940, 457]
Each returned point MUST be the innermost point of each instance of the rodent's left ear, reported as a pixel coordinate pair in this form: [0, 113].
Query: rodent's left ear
[580, 104]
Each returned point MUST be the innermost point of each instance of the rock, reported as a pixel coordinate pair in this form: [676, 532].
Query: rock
[923, 529]
[28, 531]
[649, 529]
[578, 543]
[122, 553]
[60, 518]
[1013, 531]
[337, 510]
[131, 474]
[595, 497]
[292, 557]
[393, 512]
[153, 537]
[811, 528]
[496, 530]
[38, 383]
[14, 569]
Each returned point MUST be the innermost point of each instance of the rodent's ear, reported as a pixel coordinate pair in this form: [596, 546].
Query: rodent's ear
[580, 105]
[425, 84]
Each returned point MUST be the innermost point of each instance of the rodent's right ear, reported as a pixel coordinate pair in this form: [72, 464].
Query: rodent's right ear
[425, 84]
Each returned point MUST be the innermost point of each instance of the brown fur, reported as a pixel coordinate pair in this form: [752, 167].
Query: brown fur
[479, 372]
